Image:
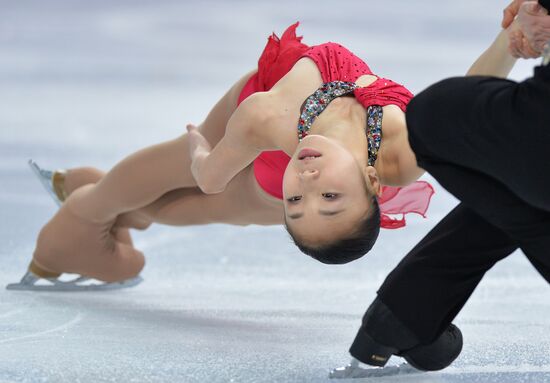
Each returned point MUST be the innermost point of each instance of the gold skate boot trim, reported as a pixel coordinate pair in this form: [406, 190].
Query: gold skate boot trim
[40, 272]
[58, 183]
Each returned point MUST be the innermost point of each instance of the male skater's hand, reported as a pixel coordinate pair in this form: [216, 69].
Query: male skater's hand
[535, 24]
[533, 31]
[199, 149]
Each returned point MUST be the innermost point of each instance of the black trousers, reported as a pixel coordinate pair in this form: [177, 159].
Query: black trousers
[487, 141]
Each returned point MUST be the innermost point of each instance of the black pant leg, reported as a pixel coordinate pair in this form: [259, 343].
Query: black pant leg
[433, 282]
[528, 226]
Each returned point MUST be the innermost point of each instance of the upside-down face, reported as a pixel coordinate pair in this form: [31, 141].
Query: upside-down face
[325, 191]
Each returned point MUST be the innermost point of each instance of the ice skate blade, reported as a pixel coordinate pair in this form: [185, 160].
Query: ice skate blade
[45, 178]
[29, 283]
[353, 371]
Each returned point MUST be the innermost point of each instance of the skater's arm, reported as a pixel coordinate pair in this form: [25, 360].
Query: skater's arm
[241, 144]
[496, 60]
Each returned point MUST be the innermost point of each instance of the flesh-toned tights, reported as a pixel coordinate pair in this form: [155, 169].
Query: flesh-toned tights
[88, 233]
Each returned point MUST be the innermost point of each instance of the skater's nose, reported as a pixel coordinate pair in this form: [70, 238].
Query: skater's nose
[310, 174]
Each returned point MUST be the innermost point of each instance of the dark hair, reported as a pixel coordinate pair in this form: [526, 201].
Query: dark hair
[347, 249]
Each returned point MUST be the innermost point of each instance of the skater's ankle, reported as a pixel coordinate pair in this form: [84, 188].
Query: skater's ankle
[41, 271]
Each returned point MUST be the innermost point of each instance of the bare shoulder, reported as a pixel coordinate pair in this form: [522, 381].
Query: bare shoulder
[252, 116]
[271, 116]
[301, 81]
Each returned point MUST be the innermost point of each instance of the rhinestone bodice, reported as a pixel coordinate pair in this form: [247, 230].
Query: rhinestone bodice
[322, 97]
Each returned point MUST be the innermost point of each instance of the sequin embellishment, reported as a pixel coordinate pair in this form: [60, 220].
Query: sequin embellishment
[374, 131]
[319, 100]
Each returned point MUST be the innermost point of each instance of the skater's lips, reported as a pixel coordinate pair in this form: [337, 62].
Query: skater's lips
[308, 154]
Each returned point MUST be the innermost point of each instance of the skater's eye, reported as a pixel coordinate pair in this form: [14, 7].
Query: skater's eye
[330, 196]
[294, 199]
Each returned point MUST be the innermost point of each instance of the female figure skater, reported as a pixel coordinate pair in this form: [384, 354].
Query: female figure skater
[335, 165]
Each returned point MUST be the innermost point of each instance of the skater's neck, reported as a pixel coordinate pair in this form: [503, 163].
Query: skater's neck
[396, 163]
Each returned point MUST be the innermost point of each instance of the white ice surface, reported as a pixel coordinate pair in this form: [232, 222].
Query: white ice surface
[86, 83]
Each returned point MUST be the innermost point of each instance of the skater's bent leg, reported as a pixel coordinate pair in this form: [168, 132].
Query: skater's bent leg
[89, 248]
[419, 299]
[77, 177]
[433, 282]
[442, 271]
[120, 263]
[80, 237]
[69, 243]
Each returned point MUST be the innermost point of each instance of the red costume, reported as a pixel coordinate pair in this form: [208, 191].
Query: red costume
[335, 63]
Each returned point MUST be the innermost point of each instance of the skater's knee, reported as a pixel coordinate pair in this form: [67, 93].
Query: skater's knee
[136, 264]
[131, 261]
[127, 263]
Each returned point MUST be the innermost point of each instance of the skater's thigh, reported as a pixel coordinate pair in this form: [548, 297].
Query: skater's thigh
[238, 204]
[213, 127]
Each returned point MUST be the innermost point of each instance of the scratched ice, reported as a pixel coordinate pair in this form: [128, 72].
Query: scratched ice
[85, 83]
